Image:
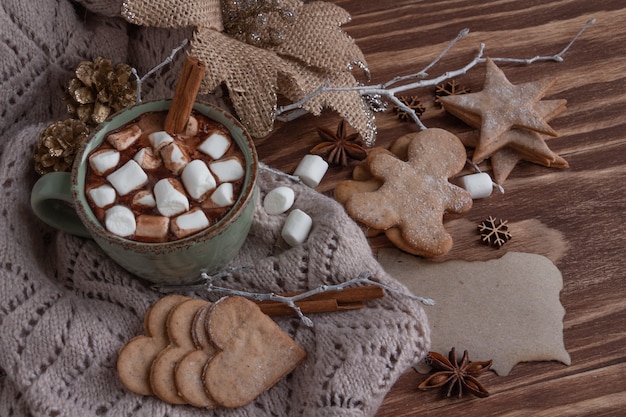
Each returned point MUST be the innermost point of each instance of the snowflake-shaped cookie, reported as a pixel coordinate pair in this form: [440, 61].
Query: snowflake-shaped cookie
[410, 204]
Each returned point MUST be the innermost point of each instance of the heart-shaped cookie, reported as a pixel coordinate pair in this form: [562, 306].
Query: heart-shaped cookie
[136, 356]
[179, 325]
[188, 375]
[254, 353]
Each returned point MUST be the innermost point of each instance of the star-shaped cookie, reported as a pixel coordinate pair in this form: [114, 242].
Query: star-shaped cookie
[521, 144]
[415, 194]
[499, 107]
[503, 162]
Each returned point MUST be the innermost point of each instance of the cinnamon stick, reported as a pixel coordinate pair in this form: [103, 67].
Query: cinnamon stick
[185, 95]
[346, 299]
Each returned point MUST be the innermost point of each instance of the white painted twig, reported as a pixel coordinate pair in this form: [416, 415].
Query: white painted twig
[424, 72]
[170, 58]
[386, 89]
[208, 284]
[280, 173]
[298, 104]
[556, 57]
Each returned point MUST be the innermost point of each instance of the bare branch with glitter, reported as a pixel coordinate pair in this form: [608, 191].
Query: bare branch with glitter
[386, 90]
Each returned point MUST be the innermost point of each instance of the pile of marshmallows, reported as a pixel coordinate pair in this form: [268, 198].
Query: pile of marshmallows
[298, 223]
[169, 196]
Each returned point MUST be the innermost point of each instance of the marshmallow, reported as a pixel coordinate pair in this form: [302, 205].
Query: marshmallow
[103, 195]
[120, 221]
[215, 145]
[144, 198]
[278, 200]
[189, 223]
[174, 158]
[479, 185]
[159, 140]
[297, 227]
[104, 160]
[147, 159]
[152, 228]
[191, 129]
[224, 195]
[197, 179]
[124, 138]
[227, 169]
[170, 201]
[127, 178]
[311, 170]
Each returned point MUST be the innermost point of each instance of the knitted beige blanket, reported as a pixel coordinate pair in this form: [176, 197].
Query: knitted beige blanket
[66, 309]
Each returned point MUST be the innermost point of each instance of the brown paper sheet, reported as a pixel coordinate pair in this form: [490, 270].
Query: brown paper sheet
[505, 309]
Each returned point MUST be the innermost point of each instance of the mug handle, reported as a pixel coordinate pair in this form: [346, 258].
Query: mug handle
[51, 200]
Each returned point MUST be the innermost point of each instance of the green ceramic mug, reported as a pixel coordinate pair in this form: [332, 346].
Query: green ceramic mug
[59, 200]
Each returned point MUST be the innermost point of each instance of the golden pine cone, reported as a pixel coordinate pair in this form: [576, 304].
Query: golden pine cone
[58, 145]
[100, 89]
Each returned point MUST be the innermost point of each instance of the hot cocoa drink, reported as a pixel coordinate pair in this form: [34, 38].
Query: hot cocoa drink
[147, 185]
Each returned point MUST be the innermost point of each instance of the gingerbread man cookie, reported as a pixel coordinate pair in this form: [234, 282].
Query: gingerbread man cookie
[415, 194]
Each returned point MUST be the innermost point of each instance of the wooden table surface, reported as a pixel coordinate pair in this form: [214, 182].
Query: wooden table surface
[585, 203]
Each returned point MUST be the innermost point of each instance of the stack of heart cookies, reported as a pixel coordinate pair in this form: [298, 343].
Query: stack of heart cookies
[206, 354]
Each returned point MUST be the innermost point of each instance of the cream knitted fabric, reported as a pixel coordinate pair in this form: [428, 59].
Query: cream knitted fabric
[66, 308]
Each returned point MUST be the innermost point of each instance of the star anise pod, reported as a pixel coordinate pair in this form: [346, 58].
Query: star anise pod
[448, 371]
[413, 103]
[337, 147]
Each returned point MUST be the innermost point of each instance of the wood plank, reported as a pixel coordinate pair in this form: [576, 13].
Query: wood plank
[585, 204]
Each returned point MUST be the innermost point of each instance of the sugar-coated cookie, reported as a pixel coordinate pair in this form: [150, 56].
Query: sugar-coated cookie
[189, 379]
[501, 106]
[136, 356]
[189, 372]
[254, 353]
[162, 373]
[415, 194]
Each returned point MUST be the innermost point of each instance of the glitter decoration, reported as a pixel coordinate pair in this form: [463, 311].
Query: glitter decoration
[58, 145]
[99, 89]
[249, 20]
[376, 102]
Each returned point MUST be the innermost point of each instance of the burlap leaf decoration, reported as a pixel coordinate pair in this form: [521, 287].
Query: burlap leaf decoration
[174, 14]
[316, 38]
[313, 51]
[250, 74]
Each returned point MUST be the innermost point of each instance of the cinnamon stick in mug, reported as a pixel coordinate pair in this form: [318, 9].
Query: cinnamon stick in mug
[185, 95]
